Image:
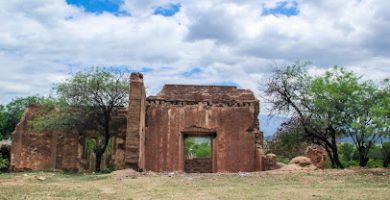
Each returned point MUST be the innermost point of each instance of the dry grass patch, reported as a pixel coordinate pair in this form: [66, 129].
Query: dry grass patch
[319, 184]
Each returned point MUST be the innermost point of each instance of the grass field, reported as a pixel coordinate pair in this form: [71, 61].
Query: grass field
[319, 184]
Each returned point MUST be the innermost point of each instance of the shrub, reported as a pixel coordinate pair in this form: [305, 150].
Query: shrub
[374, 163]
[4, 164]
[346, 151]
[282, 159]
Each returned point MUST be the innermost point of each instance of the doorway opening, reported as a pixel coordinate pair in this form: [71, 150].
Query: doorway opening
[198, 153]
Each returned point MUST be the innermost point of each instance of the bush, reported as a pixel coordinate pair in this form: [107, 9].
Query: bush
[374, 163]
[386, 154]
[328, 164]
[376, 153]
[282, 159]
[346, 151]
[4, 164]
[349, 163]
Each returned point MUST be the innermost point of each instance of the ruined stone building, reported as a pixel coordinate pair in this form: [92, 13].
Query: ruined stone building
[151, 133]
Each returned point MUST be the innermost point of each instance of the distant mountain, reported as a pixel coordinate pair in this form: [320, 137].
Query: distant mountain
[269, 124]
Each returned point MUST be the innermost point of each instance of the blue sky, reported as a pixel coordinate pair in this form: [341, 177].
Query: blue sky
[224, 42]
[114, 7]
[287, 8]
[98, 6]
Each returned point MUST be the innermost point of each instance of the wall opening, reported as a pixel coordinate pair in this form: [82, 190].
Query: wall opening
[198, 153]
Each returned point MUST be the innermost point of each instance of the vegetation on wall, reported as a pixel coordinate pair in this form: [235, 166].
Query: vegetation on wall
[11, 113]
[86, 102]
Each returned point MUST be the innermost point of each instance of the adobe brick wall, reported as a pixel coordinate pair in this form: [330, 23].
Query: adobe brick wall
[134, 151]
[198, 165]
[31, 150]
[148, 135]
[235, 122]
[40, 151]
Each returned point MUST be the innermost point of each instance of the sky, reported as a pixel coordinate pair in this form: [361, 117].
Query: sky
[222, 42]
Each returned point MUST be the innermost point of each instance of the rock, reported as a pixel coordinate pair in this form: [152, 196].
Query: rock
[317, 155]
[301, 161]
[41, 178]
[270, 162]
[280, 165]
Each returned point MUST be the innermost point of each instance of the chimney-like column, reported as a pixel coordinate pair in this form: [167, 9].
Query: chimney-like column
[135, 135]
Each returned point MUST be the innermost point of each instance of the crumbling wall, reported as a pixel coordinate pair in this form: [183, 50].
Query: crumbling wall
[33, 150]
[119, 130]
[233, 117]
[39, 151]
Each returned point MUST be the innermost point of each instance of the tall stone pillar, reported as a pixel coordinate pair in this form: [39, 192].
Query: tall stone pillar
[135, 136]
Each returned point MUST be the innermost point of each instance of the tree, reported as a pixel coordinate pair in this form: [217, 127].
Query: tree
[86, 102]
[331, 106]
[11, 113]
[292, 91]
[366, 119]
[288, 140]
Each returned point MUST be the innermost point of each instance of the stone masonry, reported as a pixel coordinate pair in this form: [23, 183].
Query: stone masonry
[150, 133]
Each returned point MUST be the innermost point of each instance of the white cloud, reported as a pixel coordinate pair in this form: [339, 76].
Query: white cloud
[41, 42]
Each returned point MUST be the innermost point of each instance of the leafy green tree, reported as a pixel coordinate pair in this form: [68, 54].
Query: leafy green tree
[365, 118]
[85, 103]
[11, 113]
[288, 141]
[292, 91]
[330, 106]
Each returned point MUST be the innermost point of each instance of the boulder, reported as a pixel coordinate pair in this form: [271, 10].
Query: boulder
[301, 161]
[317, 155]
[270, 162]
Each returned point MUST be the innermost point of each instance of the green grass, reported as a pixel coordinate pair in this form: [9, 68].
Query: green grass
[319, 184]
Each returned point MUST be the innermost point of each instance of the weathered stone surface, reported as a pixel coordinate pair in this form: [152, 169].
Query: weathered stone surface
[270, 162]
[198, 165]
[176, 108]
[38, 151]
[135, 138]
[301, 161]
[259, 166]
[60, 150]
[317, 155]
[152, 138]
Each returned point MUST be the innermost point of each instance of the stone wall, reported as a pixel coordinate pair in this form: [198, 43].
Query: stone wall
[135, 138]
[32, 150]
[149, 134]
[198, 165]
[233, 117]
[39, 151]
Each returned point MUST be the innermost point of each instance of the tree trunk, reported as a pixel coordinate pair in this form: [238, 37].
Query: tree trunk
[98, 154]
[386, 160]
[336, 158]
[330, 157]
[363, 157]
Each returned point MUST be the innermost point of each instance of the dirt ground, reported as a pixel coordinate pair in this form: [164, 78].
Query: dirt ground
[127, 184]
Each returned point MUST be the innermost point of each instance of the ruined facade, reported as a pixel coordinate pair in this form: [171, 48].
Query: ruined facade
[151, 132]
